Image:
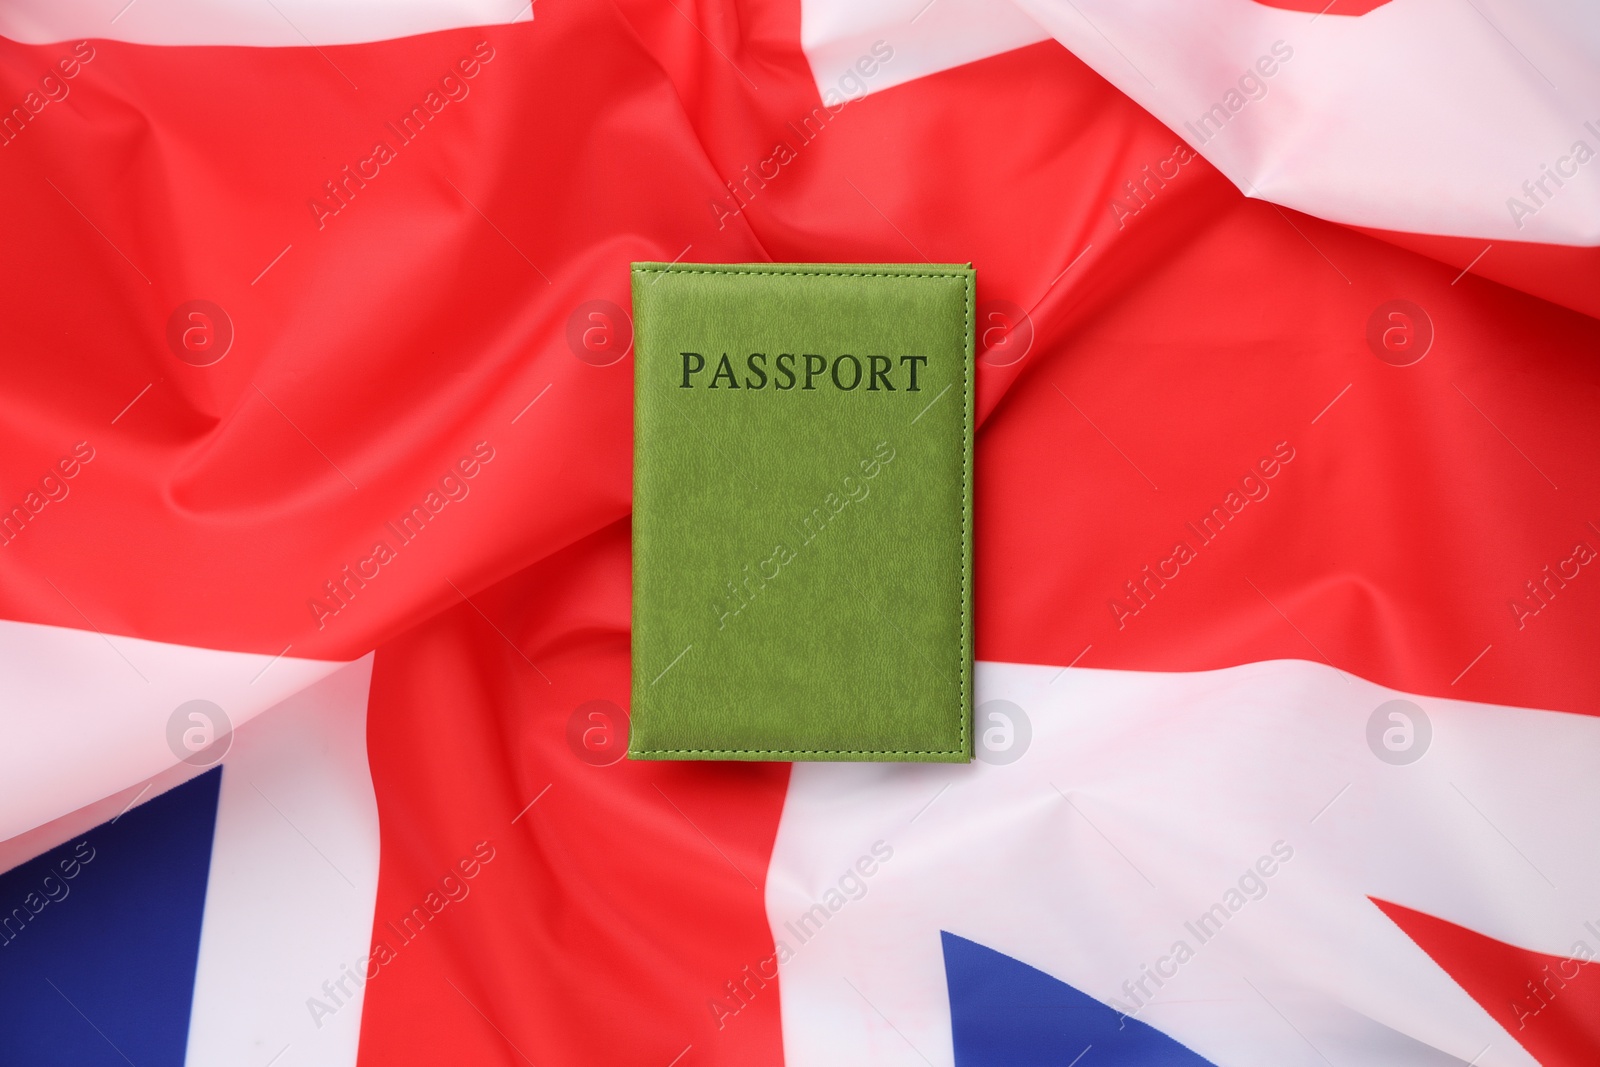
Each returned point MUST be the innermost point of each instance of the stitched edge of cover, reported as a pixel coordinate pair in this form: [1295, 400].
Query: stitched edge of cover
[965, 666]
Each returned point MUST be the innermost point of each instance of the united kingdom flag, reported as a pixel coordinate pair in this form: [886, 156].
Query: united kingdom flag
[315, 439]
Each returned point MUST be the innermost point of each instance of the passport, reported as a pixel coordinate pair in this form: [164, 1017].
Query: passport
[802, 512]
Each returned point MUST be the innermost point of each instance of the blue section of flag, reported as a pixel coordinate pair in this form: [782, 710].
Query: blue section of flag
[1004, 1013]
[99, 938]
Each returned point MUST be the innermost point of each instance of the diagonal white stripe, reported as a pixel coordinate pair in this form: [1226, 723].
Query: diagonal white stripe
[1190, 779]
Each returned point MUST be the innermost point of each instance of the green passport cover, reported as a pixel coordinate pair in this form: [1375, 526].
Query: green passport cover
[802, 512]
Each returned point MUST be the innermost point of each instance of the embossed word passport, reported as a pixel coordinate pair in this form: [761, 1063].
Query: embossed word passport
[802, 512]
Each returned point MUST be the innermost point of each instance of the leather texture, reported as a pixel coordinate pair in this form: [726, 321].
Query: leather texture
[802, 514]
